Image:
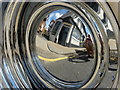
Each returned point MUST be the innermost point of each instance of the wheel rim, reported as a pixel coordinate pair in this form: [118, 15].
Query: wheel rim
[25, 56]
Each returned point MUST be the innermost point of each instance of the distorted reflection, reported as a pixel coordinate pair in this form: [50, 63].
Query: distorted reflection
[109, 33]
[42, 28]
[113, 61]
[65, 46]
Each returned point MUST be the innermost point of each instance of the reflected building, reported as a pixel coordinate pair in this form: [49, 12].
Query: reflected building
[68, 31]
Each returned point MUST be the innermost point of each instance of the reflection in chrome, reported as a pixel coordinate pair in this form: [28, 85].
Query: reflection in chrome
[64, 44]
[60, 45]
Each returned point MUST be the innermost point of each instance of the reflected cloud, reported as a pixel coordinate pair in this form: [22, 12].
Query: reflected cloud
[55, 15]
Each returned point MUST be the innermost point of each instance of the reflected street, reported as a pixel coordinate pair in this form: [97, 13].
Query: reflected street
[64, 63]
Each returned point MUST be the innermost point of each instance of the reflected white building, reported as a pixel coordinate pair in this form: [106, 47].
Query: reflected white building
[68, 30]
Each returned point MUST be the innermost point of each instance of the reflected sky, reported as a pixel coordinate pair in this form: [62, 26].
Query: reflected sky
[55, 15]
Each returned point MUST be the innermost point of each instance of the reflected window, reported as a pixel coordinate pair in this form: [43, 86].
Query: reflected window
[76, 34]
[76, 37]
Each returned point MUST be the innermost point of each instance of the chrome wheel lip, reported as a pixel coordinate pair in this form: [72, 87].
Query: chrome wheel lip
[116, 28]
[27, 45]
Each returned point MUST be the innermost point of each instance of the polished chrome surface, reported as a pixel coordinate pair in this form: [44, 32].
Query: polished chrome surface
[69, 45]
